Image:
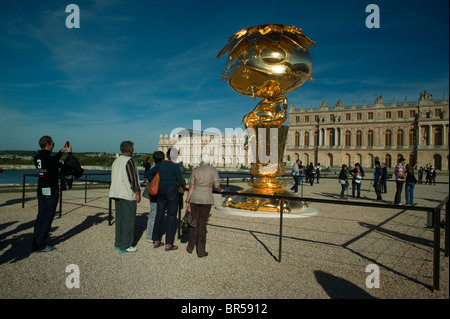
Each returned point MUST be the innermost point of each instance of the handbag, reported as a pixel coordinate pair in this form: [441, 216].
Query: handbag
[153, 187]
[189, 219]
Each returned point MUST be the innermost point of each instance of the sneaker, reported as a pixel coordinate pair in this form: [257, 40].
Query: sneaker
[46, 249]
[128, 250]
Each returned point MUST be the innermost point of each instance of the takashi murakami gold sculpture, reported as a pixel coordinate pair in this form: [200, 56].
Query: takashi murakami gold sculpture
[267, 61]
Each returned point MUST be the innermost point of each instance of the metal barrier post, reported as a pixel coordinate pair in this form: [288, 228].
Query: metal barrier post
[447, 208]
[281, 228]
[85, 188]
[23, 191]
[60, 199]
[437, 246]
[110, 212]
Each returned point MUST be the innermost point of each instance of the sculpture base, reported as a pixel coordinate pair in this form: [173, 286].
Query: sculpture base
[264, 204]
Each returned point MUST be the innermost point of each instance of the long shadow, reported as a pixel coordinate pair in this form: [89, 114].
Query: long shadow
[87, 223]
[339, 288]
[345, 245]
[17, 201]
[19, 245]
[404, 237]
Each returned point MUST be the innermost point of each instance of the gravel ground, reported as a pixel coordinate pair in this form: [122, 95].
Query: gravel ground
[323, 256]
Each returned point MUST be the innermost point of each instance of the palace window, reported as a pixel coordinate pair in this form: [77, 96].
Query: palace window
[370, 138]
[297, 139]
[316, 118]
[306, 118]
[388, 114]
[411, 137]
[348, 138]
[370, 116]
[388, 160]
[437, 112]
[297, 119]
[412, 113]
[331, 138]
[348, 116]
[358, 138]
[388, 138]
[437, 136]
[400, 114]
[359, 116]
[400, 138]
[306, 138]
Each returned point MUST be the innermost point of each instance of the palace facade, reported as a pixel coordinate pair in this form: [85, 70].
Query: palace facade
[332, 136]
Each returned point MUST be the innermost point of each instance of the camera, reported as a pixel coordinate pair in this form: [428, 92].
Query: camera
[67, 144]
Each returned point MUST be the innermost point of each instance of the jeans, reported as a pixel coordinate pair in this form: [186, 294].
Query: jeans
[151, 219]
[125, 223]
[409, 193]
[46, 212]
[168, 198]
[398, 193]
[343, 188]
[358, 187]
[297, 180]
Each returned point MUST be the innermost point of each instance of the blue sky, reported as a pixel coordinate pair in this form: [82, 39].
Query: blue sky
[136, 69]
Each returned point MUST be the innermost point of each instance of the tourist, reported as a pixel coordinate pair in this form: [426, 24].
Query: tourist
[433, 175]
[343, 180]
[378, 180]
[399, 180]
[158, 156]
[47, 192]
[297, 173]
[199, 201]
[427, 175]
[358, 174]
[168, 199]
[126, 193]
[384, 178]
[410, 182]
[311, 173]
[420, 175]
[318, 170]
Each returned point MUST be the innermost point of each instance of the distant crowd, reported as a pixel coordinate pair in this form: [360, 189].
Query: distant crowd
[403, 175]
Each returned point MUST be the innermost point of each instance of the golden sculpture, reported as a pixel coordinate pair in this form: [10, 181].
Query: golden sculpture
[266, 61]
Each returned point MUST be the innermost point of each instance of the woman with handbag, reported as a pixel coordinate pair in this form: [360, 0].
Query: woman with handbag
[343, 180]
[158, 156]
[199, 201]
[168, 199]
[358, 174]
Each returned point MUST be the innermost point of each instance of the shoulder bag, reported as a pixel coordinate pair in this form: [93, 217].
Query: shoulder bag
[153, 188]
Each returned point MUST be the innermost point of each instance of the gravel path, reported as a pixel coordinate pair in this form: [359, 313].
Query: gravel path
[323, 256]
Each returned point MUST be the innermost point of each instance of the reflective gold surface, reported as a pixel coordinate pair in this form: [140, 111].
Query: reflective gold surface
[267, 61]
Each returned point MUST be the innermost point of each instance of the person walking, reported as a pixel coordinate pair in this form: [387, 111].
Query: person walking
[399, 180]
[410, 182]
[158, 156]
[199, 201]
[126, 192]
[297, 172]
[343, 180]
[384, 178]
[358, 174]
[420, 175]
[311, 173]
[318, 170]
[47, 191]
[378, 180]
[168, 199]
